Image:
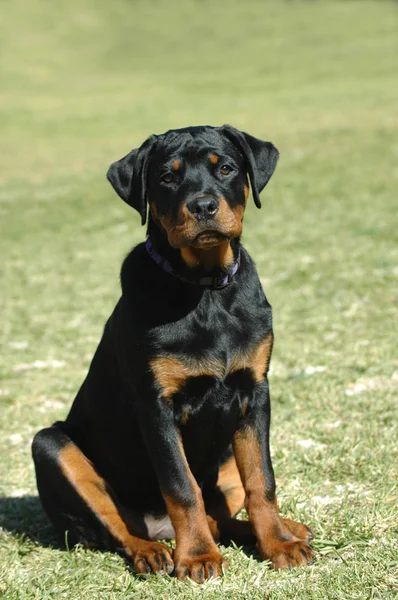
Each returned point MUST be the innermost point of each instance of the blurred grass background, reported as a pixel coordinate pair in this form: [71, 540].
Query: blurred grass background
[84, 82]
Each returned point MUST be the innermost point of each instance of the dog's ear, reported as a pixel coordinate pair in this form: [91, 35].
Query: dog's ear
[128, 176]
[260, 158]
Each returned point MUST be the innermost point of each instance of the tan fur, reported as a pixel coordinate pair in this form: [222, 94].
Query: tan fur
[92, 488]
[220, 256]
[171, 372]
[183, 232]
[257, 359]
[276, 538]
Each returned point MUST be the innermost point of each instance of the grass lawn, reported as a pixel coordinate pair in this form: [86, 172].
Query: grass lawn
[83, 83]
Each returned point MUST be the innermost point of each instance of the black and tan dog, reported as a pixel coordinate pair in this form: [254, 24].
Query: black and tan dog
[169, 434]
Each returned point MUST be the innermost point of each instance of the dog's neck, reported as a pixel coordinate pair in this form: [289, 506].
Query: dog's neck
[193, 262]
[216, 258]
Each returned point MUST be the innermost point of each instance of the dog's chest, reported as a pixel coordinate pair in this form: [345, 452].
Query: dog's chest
[213, 347]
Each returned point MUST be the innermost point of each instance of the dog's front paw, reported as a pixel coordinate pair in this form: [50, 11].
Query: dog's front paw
[199, 567]
[287, 553]
[298, 530]
[292, 554]
[151, 557]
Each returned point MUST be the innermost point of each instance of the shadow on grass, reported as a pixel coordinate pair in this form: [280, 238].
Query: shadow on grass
[25, 516]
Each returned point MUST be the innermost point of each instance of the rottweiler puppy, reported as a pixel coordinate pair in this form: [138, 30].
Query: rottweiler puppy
[168, 436]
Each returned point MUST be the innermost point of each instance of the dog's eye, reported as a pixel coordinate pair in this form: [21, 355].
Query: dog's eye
[167, 178]
[226, 170]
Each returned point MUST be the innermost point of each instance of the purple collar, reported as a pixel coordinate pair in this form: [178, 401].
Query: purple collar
[215, 283]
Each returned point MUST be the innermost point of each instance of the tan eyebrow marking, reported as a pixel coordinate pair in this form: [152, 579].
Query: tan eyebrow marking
[214, 159]
[175, 165]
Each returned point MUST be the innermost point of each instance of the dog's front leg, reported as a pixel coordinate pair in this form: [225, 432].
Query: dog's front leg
[283, 542]
[196, 554]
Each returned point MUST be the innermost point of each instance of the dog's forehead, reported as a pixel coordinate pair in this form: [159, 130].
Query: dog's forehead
[192, 141]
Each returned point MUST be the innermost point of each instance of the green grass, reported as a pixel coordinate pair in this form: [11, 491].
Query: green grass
[82, 83]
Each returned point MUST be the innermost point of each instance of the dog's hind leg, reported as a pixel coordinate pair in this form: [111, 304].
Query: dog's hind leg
[225, 503]
[83, 507]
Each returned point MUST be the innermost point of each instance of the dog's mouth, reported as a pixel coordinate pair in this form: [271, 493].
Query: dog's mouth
[208, 239]
[203, 234]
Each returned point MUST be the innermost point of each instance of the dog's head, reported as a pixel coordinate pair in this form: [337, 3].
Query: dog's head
[195, 181]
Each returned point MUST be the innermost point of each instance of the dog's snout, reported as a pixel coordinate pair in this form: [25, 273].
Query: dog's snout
[204, 207]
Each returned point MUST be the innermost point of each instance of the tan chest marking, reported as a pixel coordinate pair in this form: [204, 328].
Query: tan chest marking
[257, 360]
[172, 372]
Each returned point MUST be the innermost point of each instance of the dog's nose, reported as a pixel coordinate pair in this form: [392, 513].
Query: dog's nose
[204, 207]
